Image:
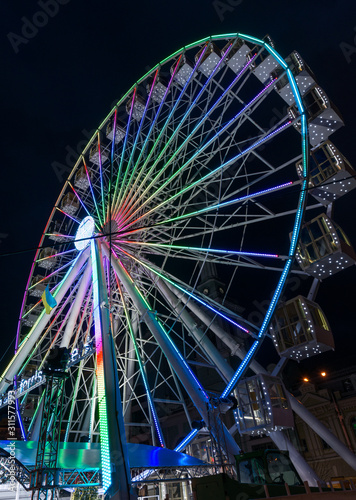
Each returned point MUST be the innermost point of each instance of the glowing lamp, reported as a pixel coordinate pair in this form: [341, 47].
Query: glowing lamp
[84, 233]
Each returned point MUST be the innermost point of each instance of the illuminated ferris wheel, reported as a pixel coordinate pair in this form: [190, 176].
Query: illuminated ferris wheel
[184, 207]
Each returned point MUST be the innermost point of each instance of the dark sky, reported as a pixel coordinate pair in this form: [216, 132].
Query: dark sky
[62, 77]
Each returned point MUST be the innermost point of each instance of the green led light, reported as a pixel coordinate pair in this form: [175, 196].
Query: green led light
[103, 410]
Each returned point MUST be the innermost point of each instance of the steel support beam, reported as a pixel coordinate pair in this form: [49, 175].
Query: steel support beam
[29, 342]
[176, 360]
[115, 466]
[277, 437]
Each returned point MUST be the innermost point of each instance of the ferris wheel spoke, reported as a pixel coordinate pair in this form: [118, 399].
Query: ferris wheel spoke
[242, 113]
[68, 215]
[122, 156]
[127, 184]
[143, 373]
[206, 114]
[208, 175]
[162, 131]
[133, 149]
[81, 201]
[213, 208]
[101, 178]
[92, 193]
[181, 121]
[29, 341]
[172, 280]
[200, 253]
[242, 199]
[119, 197]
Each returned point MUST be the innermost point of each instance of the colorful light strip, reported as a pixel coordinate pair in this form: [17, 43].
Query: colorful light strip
[201, 249]
[216, 311]
[230, 202]
[101, 178]
[56, 255]
[92, 192]
[67, 215]
[49, 276]
[112, 151]
[142, 370]
[131, 199]
[104, 430]
[137, 135]
[167, 122]
[82, 203]
[169, 180]
[118, 176]
[293, 244]
[183, 444]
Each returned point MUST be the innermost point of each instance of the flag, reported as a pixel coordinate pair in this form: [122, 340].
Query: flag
[48, 300]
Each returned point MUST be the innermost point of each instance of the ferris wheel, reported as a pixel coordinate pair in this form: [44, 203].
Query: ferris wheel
[184, 207]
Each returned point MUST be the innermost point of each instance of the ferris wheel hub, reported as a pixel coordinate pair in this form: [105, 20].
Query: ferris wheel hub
[84, 233]
[110, 228]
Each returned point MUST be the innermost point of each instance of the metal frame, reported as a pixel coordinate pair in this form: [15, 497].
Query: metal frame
[189, 170]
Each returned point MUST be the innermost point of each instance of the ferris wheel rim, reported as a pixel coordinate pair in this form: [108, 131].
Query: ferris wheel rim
[304, 154]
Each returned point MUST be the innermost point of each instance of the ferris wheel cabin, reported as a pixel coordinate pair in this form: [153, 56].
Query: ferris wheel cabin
[263, 405]
[323, 248]
[236, 58]
[119, 131]
[323, 117]
[70, 204]
[300, 329]
[263, 63]
[331, 175]
[302, 74]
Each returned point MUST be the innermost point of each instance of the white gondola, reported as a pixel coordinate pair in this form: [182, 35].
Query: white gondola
[236, 58]
[30, 318]
[331, 175]
[138, 107]
[300, 329]
[37, 288]
[70, 204]
[263, 405]
[183, 71]
[119, 131]
[302, 74]
[98, 156]
[323, 117]
[323, 248]
[47, 258]
[209, 60]
[81, 180]
[159, 89]
[264, 64]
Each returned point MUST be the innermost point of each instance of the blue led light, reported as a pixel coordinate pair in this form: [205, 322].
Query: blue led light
[186, 440]
[293, 244]
[230, 202]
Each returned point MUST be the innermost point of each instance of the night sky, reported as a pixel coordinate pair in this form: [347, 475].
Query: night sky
[62, 73]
